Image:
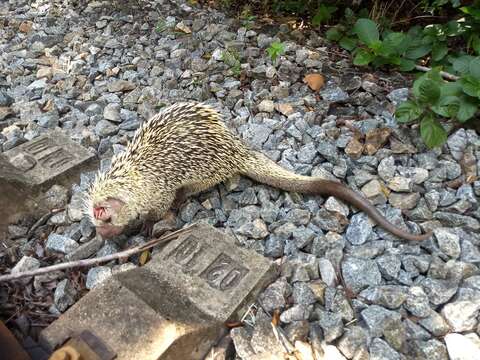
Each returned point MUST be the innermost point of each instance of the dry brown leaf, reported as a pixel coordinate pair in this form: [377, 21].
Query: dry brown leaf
[469, 165]
[276, 317]
[5, 112]
[144, 256]
[314, 81]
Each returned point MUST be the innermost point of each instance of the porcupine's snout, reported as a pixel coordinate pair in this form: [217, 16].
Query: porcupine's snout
[106, 221]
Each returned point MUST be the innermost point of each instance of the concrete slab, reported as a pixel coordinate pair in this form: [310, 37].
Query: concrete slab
[212, 271]
[27, 170]
[175, 307]
[44, 158]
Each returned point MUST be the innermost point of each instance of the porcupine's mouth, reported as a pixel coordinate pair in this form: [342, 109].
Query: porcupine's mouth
[109, 231]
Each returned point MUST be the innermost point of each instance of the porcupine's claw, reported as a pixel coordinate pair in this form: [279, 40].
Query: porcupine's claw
[147, 228]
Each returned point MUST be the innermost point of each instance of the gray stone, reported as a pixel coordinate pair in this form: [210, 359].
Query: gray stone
[448, 242]
[400, 184]
[266, 106]
[333, 93]
[417, 302]
[389, 266]
[112, 112]
[353, 339]
[359, 229]
[360, 273]
[274, 246]
[60, 243]
[120, 85]
[389, 296]
[380, 350]
[105, 128]
[404, 201]
[376, 318]
[327, 272]
[435, 324]
[438, 291]
[256, 229]
[398, 96]
[64, 295]
[457, 220]
[462, 315]
[263, 339]
[26, 263]
[295, 313]
[275, 295]
[331, 324]
[457, 142]
[97, 275]
[303, 294]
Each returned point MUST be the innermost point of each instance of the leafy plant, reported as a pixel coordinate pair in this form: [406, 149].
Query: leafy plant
[323, 14]
[160, 26]
[434, 97]
[275, 50]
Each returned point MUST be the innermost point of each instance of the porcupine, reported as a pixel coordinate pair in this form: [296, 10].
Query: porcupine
[185, 149]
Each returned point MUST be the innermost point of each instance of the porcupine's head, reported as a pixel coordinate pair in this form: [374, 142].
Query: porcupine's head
[110, 203]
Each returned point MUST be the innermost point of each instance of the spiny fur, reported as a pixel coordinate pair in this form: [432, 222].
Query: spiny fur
[186, 147]
[183, 146]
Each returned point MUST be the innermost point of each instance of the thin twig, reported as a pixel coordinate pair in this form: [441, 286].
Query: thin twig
[95, 261]
[444, 74]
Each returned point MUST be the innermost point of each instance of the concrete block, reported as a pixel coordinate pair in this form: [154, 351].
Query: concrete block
[28, 169]
[175, 307]
[44, 158]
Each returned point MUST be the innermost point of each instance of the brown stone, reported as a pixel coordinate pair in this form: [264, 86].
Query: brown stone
[25, 26]
[176, 306]
[354, 148]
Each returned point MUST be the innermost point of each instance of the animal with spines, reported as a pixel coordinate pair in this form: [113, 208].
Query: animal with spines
[185, 149]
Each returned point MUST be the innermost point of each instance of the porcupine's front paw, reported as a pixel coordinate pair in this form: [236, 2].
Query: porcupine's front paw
[147, 228]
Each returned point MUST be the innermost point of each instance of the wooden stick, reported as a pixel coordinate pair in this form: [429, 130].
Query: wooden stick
[95, 261]
[444, 74]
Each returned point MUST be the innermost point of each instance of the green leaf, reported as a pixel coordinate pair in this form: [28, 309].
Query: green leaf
[471, 10]
[450, 89]
[429, 91]
[470, 86]
[394, 40]
[475, 43]
[407, 65]
[462, 63]
[447, 106]
[348, 43]
[417, 52]
[366, 31]
[433, 133]
[334, 33]
[363, 57]
[324, 13]
[468, 108]
[408, 111]
[439, 50]
[275, 50]
[474, 67]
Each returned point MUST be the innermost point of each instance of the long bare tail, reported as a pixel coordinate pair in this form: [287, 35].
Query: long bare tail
[264, 170]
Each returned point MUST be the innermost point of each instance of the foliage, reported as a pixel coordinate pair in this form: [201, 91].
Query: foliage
[275, 50]
[434, 97]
